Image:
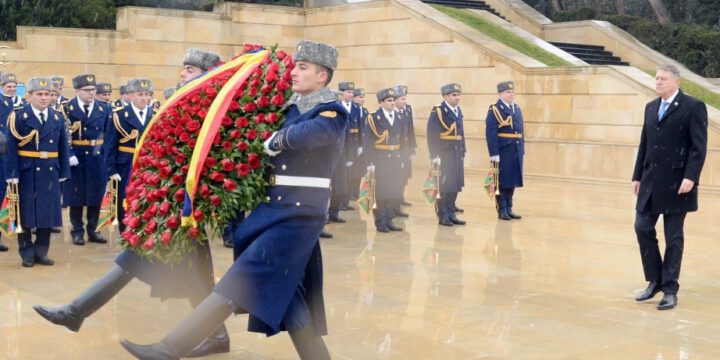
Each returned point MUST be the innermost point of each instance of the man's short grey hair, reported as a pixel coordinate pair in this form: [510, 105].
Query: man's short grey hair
[670, 68]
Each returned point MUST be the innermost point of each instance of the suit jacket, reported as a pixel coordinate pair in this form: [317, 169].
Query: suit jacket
[671, 149]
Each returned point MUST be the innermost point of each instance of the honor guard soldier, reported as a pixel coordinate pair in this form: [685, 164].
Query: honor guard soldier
[123, 133]
[9, 88]
[405, 114]
[60, 81]
[279, 282]
[353, 142]
[357, 170]
[37, 162]
[6, 108]
[340, 195]
[382, 146]
[104, 92]
[124, 99]
[446, 141]
[192, 278]
[506, 146]
[88, 119]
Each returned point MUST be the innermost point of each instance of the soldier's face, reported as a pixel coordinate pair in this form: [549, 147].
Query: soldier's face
[40, 99]
[666, 83]
[360, 100]
[103, 97]
[86, 94]
[388, 104]
[125, 97]
[507, 96]
[140, 99]
[453, 99]
[54, 96]
[400, 102]
[308, 77]
[9, 89]
[347, 95]
[189, 72]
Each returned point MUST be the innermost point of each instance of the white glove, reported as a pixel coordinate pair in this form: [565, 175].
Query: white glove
[349, 163]
[436, 161]
[266, 146]
[74, 161]
[115, 177]
[495, 158]
[13, 181]
[62, 179]
[360, 151]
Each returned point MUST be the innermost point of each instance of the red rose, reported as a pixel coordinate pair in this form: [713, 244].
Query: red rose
[260, 118]
[204, 190]
[149, 243]
[287, 75]
[163, 191]
[217, 177]
[217, 139]
[278, 100]
[249, 107]
[270, 77]
[153, 209]
[248, 48]
[198, 215]
[242, 122]
[192, 142]
[165, 172]
[184, 169]
[263, 102]
[210, 91]
[180, 195]
[234, 105]
[215, 200]
[229, 185]
[254, 161]
[151, 227]
[243, 169]
[178, 179]
[227, 146]
[194, 232]
[193, 125]
[253, 91]
[134, 240]
[202, 113]
[133, 222]
[271, 118]
[242, 146]
[164, 208]
[265, 135]
[180, 159]
[165, 238]
[281, 54]
[172, 222]
[185, 137]
[227, 164]
[169, 141]
[282, 85]
[135, 205]
[226, 121]
[235, 134]
[266, 89]
[274, 67]
[251, 135]
[210, 162]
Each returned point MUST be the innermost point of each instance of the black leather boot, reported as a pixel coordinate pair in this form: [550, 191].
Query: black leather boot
[93, 298]
[202, 321]
[309, 345]
[217, 343]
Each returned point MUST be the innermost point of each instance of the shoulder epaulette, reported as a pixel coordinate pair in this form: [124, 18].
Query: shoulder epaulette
[501, 122]
[329, 113]
[117, 109]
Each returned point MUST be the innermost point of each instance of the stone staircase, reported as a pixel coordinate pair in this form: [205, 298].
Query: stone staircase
[591, 54]
[465, 4]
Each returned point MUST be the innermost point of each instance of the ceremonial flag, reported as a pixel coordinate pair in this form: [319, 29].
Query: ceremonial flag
[7, 228]
[364, 200]
[430, 189]
[490, 183]
[106, 212]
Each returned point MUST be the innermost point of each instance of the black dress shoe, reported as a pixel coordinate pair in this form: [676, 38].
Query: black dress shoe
[56, 230]
[97, 238]
[382, 229]
[445, 222]
[668, 302]
[78, 240]
[393, 227]
[28, 263]
[457, 221]
[326, 235]
[346, 207]
[650, 292]
[336, 219]
[513, 215]
[156, 351]
[3, 247]
[211, 345]
[401, 214]
[457, 209]
[405, 203]
[504, 216]
[44, 260]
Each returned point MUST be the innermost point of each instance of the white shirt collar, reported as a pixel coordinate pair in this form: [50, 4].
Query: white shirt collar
[671, 98]
[82, 105]
[388, 116]
[137, 113]
[38, 112]
[454, 109]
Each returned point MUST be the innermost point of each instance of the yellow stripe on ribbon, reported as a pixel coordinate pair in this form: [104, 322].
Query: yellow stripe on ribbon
[210, 127]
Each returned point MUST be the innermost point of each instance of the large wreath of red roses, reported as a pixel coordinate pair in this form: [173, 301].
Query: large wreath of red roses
[232, 178]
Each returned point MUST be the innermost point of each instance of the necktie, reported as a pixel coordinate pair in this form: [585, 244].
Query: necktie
[42, 118]
[663, 107]
[455, 111]
[86, 107]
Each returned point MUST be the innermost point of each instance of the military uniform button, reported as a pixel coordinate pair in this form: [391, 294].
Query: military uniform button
[267, 198]
[50, 168]
[85, 128]
[51, 141]
[279, 198]
[38, 168]
[297, 203]
[87, 153]
[284, 167]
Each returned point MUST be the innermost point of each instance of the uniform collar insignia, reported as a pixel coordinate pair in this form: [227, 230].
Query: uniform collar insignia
[25, 115]
[72, 107]
[126, 114]
[56, 117]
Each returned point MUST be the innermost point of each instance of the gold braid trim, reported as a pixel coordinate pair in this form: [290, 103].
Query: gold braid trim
[502, 122]
[381, 137]
[125, 136]
[451, 130]
[23, 140]
[76, 127]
